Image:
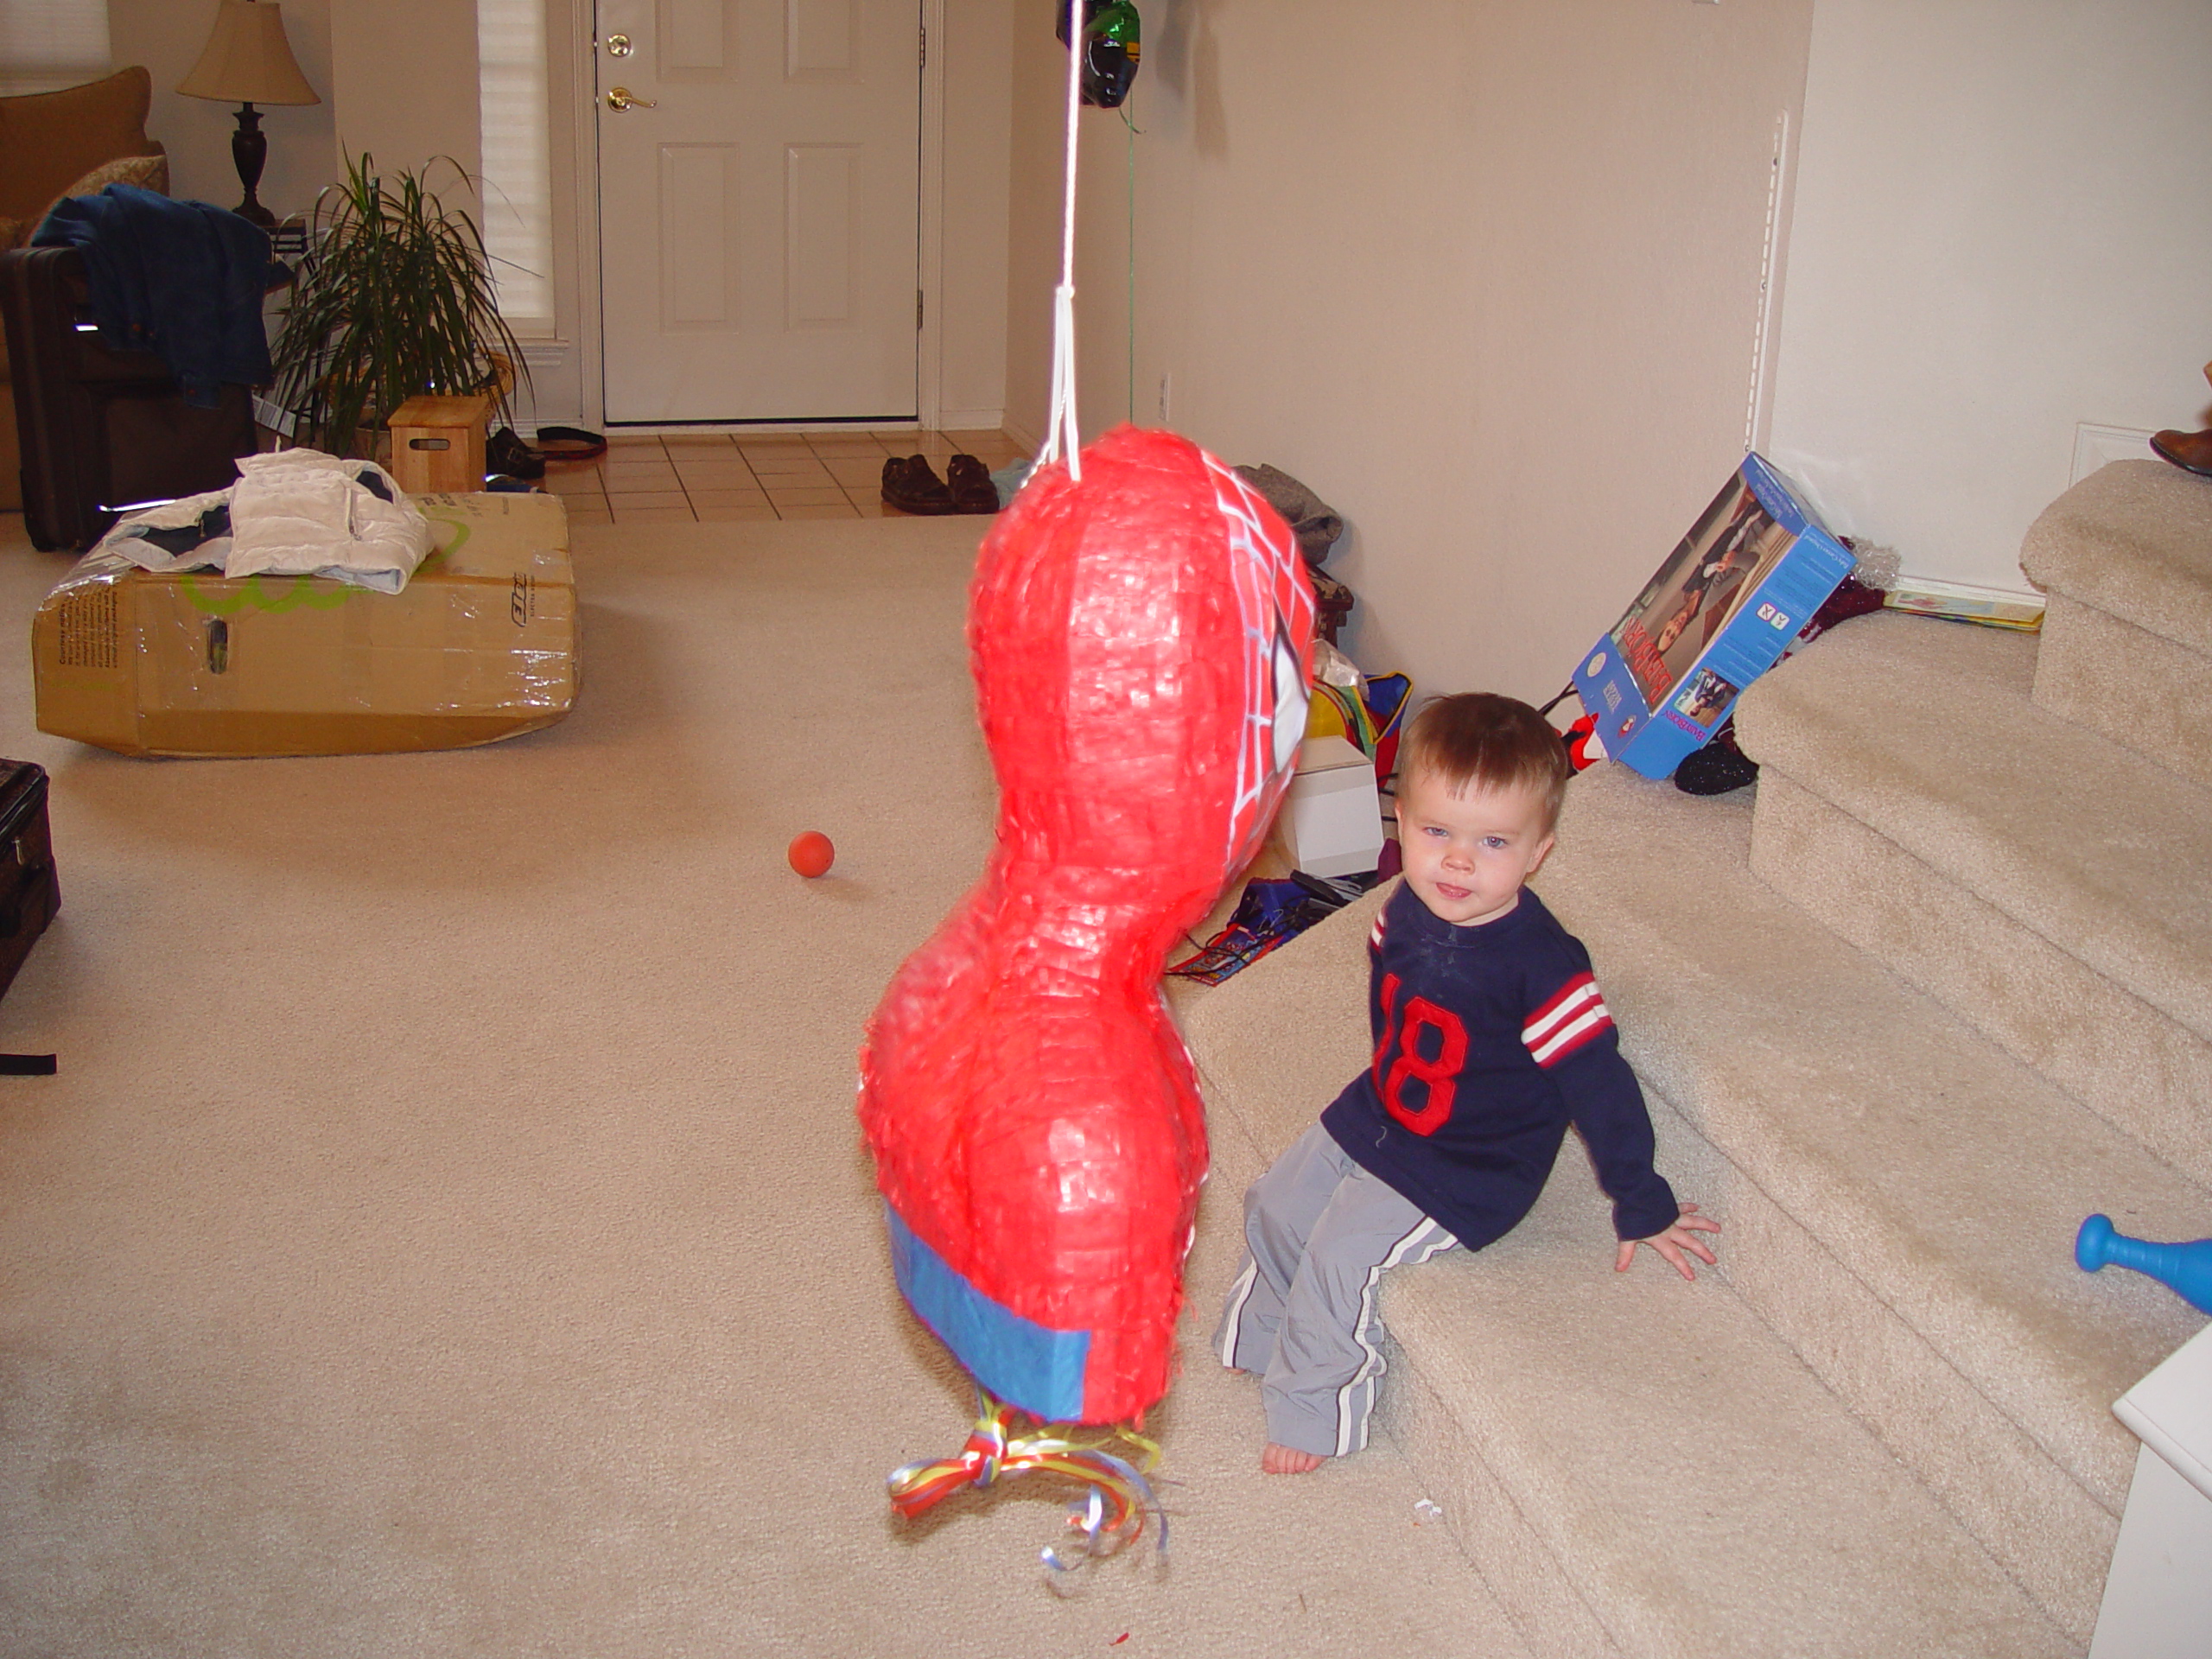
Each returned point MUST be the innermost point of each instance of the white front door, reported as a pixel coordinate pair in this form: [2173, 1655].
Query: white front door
[759, 230]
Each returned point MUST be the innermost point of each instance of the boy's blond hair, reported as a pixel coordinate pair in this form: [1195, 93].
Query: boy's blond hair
[1480, 741]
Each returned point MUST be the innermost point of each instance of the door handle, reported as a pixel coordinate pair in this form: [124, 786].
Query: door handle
[619, 98]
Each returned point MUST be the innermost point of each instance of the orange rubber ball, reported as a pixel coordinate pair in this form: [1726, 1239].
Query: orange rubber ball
[811, 853]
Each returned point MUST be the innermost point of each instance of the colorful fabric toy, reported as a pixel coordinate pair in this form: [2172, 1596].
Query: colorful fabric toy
[1268, 916]
[1369, 716]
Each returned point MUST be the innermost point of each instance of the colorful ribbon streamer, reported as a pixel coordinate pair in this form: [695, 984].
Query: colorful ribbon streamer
[1109, 1515]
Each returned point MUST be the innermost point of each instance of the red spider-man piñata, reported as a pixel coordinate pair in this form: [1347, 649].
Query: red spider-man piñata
[1141, 641]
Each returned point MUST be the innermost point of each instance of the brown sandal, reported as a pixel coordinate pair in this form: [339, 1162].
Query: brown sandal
[911, 485]
[969, 482]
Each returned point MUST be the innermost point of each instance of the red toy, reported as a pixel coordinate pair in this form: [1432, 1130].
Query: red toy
[1141, 641]
[811, 853]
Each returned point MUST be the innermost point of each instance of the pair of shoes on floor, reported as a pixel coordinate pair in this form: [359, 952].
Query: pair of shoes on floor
[2190, 451]
[911, 485]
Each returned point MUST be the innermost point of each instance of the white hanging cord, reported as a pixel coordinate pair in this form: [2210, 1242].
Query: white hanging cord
[1059, 420]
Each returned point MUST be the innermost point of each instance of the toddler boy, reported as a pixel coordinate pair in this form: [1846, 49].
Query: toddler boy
[1489, 1038]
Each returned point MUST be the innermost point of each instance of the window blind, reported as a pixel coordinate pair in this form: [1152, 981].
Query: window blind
[517, 188]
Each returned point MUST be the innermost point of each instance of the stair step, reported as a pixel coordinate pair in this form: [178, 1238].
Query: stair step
[1903, 1195]
[1641, 1459]
[1637, 1466]
[2140, 1071]
[2125, 557]
[2041, 883]
[2134, 540]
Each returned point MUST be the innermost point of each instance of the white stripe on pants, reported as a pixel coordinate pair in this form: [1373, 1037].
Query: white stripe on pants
[1319, 1232]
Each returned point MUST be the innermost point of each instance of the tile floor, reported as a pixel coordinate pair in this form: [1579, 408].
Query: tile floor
[711, 478]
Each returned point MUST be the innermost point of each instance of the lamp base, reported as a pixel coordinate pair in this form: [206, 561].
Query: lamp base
[249, 152]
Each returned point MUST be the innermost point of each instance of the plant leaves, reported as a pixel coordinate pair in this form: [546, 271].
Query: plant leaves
[394, 298]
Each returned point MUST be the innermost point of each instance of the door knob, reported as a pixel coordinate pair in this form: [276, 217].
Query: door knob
[619, 98]
[618, 46]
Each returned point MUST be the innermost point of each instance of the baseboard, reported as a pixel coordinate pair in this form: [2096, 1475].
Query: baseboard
[969, 420]
[2096, 445]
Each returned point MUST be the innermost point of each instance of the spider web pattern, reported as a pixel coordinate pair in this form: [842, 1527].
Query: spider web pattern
[1275, 609]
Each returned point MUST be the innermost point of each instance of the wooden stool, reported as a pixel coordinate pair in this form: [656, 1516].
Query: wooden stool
[437, 443]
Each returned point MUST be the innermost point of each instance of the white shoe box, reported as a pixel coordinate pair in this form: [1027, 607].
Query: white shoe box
[1332, 815]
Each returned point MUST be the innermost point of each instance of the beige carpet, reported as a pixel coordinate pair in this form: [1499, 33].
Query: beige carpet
[1915, 800]
[2126, 560]
[449, 1231]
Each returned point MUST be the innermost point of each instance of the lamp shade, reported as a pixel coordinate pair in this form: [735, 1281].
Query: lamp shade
[248, 60]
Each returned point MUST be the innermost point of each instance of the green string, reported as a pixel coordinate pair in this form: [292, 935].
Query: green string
[1132, 126]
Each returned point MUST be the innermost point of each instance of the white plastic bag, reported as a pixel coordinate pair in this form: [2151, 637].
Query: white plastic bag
[295, 513]
[302, 512]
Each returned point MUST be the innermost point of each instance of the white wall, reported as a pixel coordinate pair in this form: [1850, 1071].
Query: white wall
[167, 36]
[397, 79]
[971, 339]
[404, 90]
[1486, 276]
[2003, 227]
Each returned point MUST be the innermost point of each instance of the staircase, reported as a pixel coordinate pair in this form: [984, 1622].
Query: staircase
[1941, 989]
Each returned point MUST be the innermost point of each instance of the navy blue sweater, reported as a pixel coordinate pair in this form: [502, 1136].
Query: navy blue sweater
[181, 278]
[1488, 1041]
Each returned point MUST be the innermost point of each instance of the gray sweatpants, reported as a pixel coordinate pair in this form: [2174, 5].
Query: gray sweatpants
[1318, 1231]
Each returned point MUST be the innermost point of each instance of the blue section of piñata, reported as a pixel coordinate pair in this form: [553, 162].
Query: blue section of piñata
[1032, 1366]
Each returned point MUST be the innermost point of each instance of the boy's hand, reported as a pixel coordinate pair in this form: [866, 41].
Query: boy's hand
[1679, 1239]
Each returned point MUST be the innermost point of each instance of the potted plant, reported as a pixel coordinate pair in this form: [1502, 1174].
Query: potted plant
[393, 298]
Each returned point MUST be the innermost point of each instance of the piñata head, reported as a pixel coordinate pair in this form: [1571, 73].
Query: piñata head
[1141, 641]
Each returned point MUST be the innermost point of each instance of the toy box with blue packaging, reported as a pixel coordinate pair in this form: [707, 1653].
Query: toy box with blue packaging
[1725, 606]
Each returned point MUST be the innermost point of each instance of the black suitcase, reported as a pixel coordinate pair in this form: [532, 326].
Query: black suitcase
[29, 893]
[100, 430]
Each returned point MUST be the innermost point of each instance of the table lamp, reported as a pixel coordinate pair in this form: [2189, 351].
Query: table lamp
[248, 61]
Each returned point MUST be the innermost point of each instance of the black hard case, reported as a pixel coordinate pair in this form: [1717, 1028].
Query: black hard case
[101, 430]
[29, 892]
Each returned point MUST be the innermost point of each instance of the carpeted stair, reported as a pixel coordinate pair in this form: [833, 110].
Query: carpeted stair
[2041, 882]
[1941, 995]
[2125, 559]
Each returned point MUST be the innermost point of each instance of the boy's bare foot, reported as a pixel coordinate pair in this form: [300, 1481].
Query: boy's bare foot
[1287, 1460]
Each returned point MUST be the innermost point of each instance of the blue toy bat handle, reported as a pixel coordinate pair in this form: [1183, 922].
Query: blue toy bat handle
[2185, 1269]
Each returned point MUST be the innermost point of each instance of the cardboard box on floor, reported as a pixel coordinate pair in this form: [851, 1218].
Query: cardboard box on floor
[480, 645]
